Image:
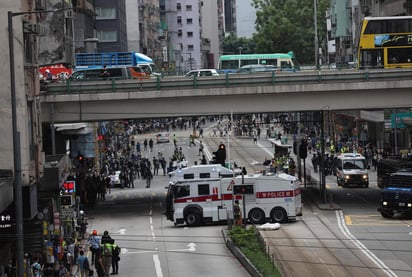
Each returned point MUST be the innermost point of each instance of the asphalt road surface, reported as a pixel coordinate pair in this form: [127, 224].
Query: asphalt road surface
[345, 236]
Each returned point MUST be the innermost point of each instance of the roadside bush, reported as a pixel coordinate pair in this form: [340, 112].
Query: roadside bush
[248, 242]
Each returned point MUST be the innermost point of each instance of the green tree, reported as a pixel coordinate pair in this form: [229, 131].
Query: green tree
[288, 25]
[234, 45]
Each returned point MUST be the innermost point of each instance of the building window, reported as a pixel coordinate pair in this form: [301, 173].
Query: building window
[105, 13]
[178, 6]
[189, 21]
[179, 33]
[29, 42]
[188, 8]
[107, 36]
[190, 47]
[179, 20]
[189, 34]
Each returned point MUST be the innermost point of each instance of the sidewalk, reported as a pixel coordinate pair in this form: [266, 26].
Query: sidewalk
[83, 245]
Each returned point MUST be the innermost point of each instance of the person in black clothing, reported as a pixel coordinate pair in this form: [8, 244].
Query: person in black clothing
[98, 265]
[203, 160]
[315, 163]
[106, 237]
[145, 144]
[115, 259]
[163, 164]
[105, 74]
[151, 145]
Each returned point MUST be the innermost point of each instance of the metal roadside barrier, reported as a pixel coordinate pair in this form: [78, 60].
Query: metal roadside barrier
[227, 80]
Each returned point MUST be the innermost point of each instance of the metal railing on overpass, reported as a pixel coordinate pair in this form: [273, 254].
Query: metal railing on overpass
[228, 80]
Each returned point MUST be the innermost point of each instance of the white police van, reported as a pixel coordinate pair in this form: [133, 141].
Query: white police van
[352, 170]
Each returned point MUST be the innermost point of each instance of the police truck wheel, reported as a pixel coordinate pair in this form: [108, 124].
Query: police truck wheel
[279, 215]
[256, 216]
[192, 218]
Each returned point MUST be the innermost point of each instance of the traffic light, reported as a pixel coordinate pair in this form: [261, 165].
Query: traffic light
[303, 149]
[79, 160]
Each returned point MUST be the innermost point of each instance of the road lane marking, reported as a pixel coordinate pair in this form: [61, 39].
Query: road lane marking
[348, 220]
[265, 149]
[157, 266]
[344, 229]
[373, 220]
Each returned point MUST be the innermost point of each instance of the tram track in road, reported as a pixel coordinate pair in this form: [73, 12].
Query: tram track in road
[238, 153]
[312, 246]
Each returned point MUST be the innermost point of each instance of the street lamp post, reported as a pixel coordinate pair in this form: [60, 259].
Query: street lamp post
[315, 15]
[179, 53]
[190, 60]
[18, 195]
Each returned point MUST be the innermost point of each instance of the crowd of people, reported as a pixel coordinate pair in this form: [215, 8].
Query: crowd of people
[105, 255]
[126, 153]
[126, 159]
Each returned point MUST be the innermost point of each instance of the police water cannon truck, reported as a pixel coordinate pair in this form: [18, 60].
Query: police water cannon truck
[206, 193]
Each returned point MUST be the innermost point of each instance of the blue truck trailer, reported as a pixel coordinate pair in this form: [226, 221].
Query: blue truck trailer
[114, 59]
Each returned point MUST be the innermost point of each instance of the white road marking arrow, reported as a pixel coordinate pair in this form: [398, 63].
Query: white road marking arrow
[191, 248]
[125, 251]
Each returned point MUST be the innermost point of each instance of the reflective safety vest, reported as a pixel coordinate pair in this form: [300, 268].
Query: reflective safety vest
[107, 249]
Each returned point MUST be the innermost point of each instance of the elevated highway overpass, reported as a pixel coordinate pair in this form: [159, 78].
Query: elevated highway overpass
[85, 101]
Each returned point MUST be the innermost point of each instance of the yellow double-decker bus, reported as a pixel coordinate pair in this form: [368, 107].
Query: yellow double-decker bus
[385, 42]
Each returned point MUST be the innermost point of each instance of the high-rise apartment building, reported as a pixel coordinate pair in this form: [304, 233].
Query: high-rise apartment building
[193, 32]
[143, 25]
[111, 30]
[187, 47]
